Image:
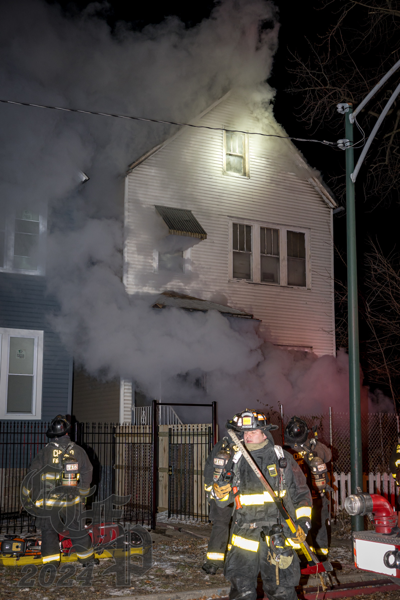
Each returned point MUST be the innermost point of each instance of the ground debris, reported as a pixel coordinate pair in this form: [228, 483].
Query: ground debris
[176, 567]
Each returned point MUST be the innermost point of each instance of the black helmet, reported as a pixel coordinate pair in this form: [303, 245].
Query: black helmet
[250, 419]
[58, 427]
[296, 432]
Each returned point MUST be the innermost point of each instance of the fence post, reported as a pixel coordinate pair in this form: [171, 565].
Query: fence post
[214, 422]
[154, 435]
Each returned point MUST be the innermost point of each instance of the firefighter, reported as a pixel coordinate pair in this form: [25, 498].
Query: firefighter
[220, 516]
[311, 455]
[395, 462]
[256, 519]
[60, 483]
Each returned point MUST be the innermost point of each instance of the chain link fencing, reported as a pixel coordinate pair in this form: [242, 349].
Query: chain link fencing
[379, 433]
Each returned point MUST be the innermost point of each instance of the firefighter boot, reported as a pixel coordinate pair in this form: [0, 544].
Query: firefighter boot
[210, 568]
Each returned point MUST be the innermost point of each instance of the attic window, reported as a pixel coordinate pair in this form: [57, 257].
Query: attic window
[181, 221]
[236, 153]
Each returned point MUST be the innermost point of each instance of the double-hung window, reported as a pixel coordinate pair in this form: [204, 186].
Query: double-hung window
[21, 368]
[242, 255]
[236, 155]
[269, 254]
[22, 242]
[296, 258]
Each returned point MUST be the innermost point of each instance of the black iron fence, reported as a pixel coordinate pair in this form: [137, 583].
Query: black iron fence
[20, 441]
[121, 455]
[188, 448]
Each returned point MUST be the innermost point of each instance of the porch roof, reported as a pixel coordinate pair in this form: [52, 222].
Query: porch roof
[178, 300]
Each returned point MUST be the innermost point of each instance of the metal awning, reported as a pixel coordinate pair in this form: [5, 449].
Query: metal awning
[181, 221]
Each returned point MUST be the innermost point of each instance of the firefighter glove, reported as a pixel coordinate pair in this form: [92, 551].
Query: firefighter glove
[304, 523]
[220, 491]
[300, 536]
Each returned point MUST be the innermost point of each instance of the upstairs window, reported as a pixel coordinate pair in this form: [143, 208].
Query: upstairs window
[242, 264]
[269, 255]
[296, 258]
[236, 153]
[22, 242]
[26, 241]
[264, 253]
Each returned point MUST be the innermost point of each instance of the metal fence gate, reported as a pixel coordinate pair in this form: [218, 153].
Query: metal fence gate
[188, 448]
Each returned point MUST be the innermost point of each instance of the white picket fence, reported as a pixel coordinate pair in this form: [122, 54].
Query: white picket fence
[373, 483]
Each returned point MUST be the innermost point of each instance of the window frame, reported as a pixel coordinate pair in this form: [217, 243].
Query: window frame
[186, 264]
[256, 252]
[9, 240]
[246, 162]
[38, 336]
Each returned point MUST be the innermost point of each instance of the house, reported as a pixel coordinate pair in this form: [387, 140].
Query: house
[35, 369]
[217, 214]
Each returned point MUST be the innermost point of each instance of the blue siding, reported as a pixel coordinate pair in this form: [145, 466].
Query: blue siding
[24, 304]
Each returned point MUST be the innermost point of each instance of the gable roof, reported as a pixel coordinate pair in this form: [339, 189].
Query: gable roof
[318, 184]
[175, 135]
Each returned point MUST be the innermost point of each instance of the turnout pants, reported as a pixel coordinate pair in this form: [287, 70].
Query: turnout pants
[320, 523]
[220, 518]
[243, 565]
[82, 543]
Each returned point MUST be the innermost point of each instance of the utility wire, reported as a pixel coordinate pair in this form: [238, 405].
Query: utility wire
[146, 120]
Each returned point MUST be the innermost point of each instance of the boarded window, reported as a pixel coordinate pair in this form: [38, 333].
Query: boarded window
[235, 153]
[26, 241]
[242, 251]
[171, 261]
[296, 258]
[269, 251]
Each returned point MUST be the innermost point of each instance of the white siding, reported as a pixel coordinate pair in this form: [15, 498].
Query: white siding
[187, 173]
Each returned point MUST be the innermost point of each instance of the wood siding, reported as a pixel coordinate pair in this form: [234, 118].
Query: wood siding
[95, 401]
[24, 304]
[187, 172]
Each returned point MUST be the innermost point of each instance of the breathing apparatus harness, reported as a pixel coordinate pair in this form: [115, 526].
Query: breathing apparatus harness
[296, 434]
[66, 474]
[280, 554]
[319, 470]
[224, 471]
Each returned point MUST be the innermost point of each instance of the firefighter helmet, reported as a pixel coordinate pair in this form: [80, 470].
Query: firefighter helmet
[296, 432]
[58, 427]
[250, 419]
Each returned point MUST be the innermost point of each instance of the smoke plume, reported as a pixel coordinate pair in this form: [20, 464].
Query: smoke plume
[164, 71]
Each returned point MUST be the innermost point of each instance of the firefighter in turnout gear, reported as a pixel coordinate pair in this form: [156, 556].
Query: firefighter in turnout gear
[311, 456]
[59, 485]
[395, 462]
[259, 540]
[216, 472]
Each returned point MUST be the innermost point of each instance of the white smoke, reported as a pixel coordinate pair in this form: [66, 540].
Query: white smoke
[165, 71]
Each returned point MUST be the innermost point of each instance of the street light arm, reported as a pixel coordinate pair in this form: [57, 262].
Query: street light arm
[374, 90]
[373, 133]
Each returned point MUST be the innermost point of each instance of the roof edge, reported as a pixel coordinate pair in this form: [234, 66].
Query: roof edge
[175, 135]
[323, 192]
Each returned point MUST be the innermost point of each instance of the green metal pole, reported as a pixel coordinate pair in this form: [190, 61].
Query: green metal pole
[354, 356]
